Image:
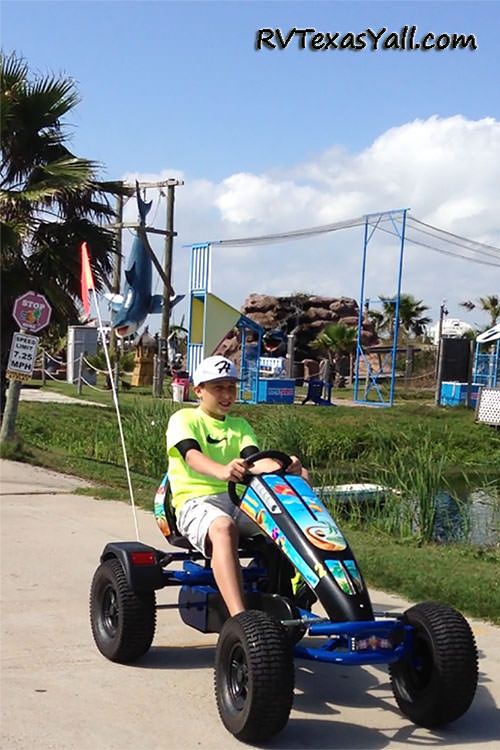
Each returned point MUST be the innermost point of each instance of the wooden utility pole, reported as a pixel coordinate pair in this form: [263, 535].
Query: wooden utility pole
[167, 270]
[439, 364]
[117, 270]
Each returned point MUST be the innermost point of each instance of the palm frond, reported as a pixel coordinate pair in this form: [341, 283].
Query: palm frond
[52, 98]
[50, 199]
[468, 304]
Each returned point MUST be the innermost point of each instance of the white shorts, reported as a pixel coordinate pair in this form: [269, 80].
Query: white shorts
[197, 515]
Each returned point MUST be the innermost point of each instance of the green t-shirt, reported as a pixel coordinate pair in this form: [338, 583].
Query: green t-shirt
[222, 440]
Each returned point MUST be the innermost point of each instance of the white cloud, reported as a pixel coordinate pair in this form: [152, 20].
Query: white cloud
[444, 169]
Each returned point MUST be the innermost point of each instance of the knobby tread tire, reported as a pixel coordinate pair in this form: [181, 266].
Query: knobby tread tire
[136, 615]
[444, 689]
[270, 665]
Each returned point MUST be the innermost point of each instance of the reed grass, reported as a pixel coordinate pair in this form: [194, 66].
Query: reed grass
[412, 469]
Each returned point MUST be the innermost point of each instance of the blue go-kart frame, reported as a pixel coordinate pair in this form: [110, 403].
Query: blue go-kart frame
[429, 649]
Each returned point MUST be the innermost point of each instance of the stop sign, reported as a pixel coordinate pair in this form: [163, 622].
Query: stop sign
[31, 312]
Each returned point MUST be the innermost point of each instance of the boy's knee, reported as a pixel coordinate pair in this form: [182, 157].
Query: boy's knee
[223, 528]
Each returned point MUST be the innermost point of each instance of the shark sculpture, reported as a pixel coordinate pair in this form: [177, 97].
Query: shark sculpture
[130, 310]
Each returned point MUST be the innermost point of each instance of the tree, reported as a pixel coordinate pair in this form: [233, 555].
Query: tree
[411, 315]
[336, 340]
[489, 304]
[378, 320]
[50, 199]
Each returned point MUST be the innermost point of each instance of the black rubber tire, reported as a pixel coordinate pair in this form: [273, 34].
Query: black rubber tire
[436, 683]
[123, 621]
[254, 676]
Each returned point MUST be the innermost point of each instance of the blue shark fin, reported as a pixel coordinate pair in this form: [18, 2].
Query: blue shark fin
[175, 299]
[143, 207]
[156, 304]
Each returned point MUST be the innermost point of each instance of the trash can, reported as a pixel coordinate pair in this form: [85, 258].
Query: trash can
[177, 393]
[183, 381]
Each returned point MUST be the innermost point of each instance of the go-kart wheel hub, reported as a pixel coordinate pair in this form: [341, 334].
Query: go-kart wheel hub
[110, 610]
[238, 677]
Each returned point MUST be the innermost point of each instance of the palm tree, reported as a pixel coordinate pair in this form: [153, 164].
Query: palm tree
[490, 304]
[336, 339]
[411, 315]
[377, 318]
[50, 200]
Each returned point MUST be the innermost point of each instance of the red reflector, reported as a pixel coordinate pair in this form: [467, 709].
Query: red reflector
[142, 558]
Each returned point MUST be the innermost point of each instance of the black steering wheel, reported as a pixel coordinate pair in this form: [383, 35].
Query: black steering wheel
[279, 456]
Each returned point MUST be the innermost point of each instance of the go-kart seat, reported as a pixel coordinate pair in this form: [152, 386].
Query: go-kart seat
[165, 516]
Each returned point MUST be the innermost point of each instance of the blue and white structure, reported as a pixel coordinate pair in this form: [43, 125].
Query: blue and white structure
[210, 319]
[397, 221]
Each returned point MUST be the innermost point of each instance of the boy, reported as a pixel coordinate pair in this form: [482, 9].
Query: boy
[207, 448]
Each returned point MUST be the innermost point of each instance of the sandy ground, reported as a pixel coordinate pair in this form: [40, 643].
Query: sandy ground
[58, 692]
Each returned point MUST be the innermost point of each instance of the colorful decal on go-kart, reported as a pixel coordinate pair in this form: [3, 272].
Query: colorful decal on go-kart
[267, 499]
[283, 489]
[319, 568]
[253, 506]
[324, 537]
[353, 571]
[308, 512]
[337, 570]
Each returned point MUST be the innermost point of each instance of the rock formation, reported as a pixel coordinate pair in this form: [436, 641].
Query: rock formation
[307, 314]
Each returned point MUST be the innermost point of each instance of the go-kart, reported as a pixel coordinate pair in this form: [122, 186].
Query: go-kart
[429, 649]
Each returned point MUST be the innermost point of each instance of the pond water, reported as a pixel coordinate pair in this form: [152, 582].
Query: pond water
[475, 518]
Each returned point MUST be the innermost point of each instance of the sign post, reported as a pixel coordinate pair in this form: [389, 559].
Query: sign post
[32, 313]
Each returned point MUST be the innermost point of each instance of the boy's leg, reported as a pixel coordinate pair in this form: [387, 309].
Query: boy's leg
[223, 536]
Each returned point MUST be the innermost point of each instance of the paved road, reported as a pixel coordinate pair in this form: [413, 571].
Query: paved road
[38, 394]
[58, 692]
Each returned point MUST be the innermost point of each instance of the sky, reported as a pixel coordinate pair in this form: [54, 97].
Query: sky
[273, 140]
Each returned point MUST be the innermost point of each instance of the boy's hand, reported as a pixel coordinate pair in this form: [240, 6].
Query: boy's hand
[295, 467]
[270, 465]
[234, 471]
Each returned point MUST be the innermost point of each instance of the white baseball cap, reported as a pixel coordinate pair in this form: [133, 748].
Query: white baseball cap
[215, 368]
